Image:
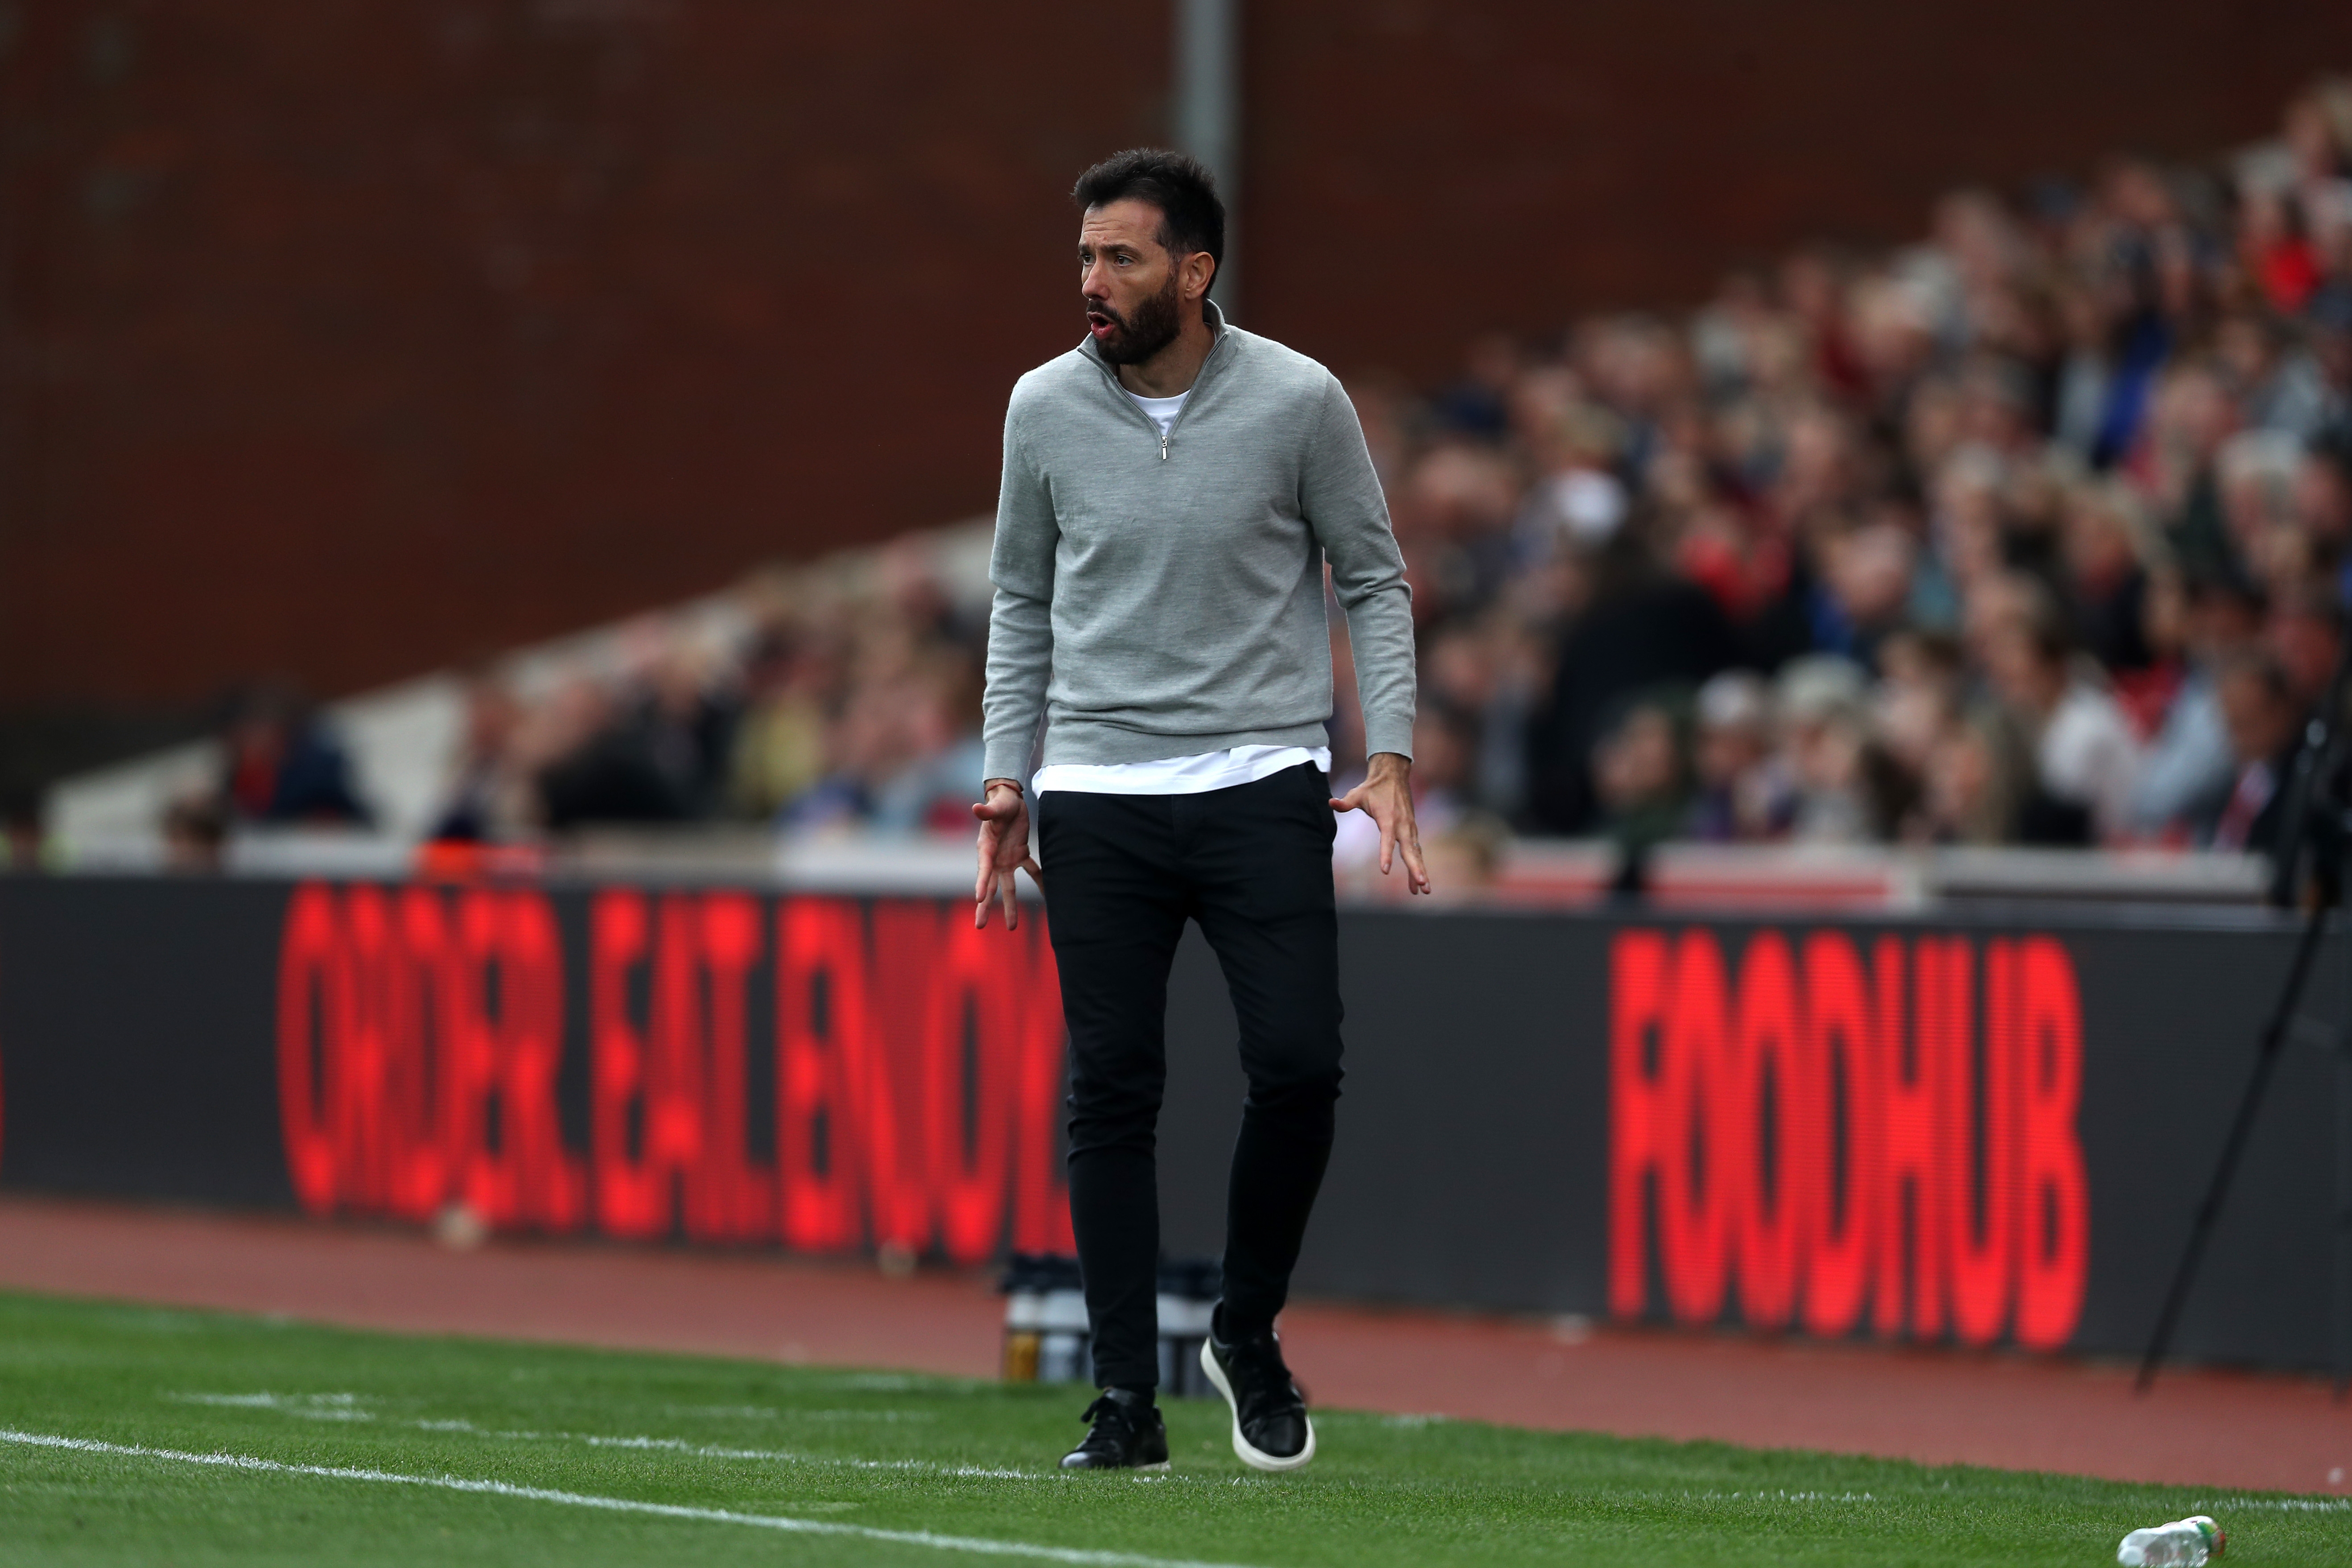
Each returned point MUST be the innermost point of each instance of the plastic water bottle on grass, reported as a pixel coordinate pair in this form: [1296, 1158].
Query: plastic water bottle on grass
[2184, 1543]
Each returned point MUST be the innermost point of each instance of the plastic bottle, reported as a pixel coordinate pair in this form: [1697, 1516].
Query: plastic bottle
[2184, 1543]
[1045, 1336]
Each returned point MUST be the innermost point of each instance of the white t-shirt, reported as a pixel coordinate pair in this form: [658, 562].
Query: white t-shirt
[1160, 411]
[2088, 755]
[1196, 775]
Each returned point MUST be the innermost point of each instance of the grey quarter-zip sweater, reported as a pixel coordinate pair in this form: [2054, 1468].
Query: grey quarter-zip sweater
[1162, 596]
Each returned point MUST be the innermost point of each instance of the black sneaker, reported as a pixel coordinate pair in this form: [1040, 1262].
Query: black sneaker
[1129, 1434]
[1271, 1431]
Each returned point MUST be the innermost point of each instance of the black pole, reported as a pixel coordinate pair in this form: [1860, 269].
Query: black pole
[2309, 822]
[2342, 1303]
[2274, 1035]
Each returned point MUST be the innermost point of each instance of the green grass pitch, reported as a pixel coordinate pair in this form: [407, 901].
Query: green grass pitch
[202, 1438]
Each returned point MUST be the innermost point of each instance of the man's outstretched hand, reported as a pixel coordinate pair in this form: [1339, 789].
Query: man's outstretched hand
[1004, 850]
[1386, 796]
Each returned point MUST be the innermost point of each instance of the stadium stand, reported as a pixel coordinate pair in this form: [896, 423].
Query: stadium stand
[2035, 533]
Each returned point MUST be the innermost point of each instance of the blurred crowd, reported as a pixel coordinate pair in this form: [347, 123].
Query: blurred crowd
[2038, 531]
[843, 696]
[843, 699]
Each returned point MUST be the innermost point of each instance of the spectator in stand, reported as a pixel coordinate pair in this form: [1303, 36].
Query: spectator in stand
[1637, 627]
[932, 788]
[2306, 636]
[2275, 252]
[1974, 784]
[285, 765]
[1640, 776]
[2186, 774]
[685, 719]
[1824, 742]
[1488, 672]
[1478, 405]
[1867, 588]
[1743, 793]
[1917, 701]
[196, 831]
[2105, 584]
[2278, 382]
[2177, 469]
[778, 748]
[2256, 471]
[601, 770]
[2318, 133]
[2084, 378]
[1454, 525]
[2323, 506]
[485, 801]
[2329, 329]
[2085, 757]
[2265, 719]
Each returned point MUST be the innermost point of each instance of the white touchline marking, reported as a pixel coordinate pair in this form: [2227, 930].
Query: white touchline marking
[716, 1451]
[309, 1406]
[344, 1407]
[1779, 1496]
[2287, 1504]
[763, 1413]
[981, 1544]
[720, 1451]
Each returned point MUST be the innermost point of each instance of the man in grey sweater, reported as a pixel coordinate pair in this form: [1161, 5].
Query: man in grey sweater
[1173, 489]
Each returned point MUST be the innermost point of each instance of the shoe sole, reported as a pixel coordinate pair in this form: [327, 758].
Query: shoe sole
[1111, 1469]
[1254, 1458]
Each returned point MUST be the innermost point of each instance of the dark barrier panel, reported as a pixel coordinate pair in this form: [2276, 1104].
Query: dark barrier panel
[1980, 1132]
[1478, 1133]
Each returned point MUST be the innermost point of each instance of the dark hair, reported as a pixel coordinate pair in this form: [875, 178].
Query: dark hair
[2265, 671]
[2044, 622]
[2333, 446]
[1181, 186]
[2311, 602]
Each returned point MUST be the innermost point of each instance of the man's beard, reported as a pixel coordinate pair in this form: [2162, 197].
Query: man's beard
[1152, 328]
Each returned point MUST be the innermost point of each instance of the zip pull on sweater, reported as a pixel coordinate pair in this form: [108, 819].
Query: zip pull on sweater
[1216, 325]
[1140, 613]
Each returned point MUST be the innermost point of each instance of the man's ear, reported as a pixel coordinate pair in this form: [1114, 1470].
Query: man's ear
[1199, 270]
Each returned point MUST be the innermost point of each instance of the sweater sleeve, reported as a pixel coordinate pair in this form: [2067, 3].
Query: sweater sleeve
[1339, 492]
[1020, 618]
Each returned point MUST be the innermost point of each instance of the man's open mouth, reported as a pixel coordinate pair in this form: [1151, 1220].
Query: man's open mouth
[1101, 322]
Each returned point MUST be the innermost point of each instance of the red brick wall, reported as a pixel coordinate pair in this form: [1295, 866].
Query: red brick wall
[344, 338]
[347, 336]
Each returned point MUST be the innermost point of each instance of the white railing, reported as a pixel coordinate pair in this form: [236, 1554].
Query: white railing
[1529, 873]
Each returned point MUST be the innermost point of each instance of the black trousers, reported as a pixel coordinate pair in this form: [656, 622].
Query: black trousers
[1123, 873]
